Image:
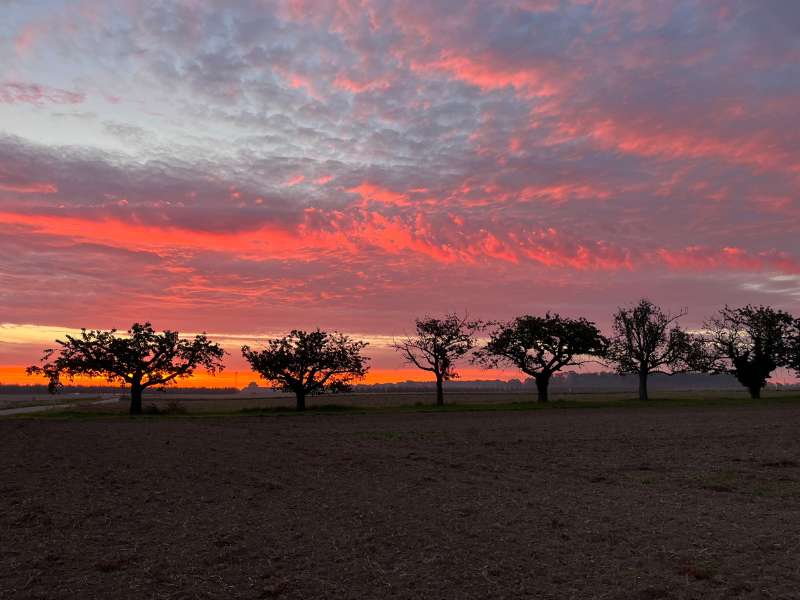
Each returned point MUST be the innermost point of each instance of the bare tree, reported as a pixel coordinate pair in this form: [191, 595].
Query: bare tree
[647, 340]
[750, 343]
[142, 358]
[438, 344]
[541, 346]
[309, 362]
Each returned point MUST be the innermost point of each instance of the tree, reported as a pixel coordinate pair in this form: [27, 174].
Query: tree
[648, 340]
[749, 343]
[794, 355]
[142, 358]
[439, 343]
[307, 363]
[541, 346]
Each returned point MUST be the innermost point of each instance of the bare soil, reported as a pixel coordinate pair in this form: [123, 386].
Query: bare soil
[217, 403]
[592, 503]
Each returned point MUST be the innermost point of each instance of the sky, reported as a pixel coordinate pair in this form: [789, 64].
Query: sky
[252, 166]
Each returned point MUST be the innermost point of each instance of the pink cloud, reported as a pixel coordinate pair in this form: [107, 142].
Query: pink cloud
[370, 192]
[349, 84]
[705, 259]
[489, 74]
[295, 180]
[350, 234]
[31, 93]
[25, 39]
[652, 139]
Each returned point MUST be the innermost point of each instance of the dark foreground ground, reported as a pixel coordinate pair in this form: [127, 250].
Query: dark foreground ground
[598, 503]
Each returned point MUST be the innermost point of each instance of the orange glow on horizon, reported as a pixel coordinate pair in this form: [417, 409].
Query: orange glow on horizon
[15, 375]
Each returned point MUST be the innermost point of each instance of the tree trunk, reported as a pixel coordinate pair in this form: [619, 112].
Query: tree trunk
[643, 386]
[755, 391]
[542, 385]
[439, 391]
[301, 400]
[136, 399]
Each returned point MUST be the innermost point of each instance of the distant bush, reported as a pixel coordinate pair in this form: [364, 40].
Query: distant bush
[175, 408]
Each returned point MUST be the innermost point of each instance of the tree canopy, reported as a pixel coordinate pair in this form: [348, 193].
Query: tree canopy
[309, 362]
[142, 358]
[750, 343]
[540, 346]
[437, 345]
[647, 340]
[794, 352]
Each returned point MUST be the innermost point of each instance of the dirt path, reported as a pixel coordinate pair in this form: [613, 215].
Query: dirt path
[35, 409]
[606, 504]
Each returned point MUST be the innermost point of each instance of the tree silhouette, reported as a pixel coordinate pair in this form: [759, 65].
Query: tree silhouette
[749, 343]
[794, 350]
[648, 340]
[437, 345]
[142, 358]
[309, 363]
[541, 346]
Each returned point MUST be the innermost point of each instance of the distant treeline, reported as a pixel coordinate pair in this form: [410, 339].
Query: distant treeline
[605, 381]
[38, 389]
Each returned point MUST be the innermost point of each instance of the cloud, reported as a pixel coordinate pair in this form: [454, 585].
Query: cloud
[28, 188]
[32, 93]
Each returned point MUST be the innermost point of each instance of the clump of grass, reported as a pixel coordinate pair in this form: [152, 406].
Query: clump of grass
[173, 407]
[719, 481]
[697, 571]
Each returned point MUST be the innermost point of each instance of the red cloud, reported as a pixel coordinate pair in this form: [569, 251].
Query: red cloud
[491, 74]
[705, 259]
[295, 180]
[370, 192]
[349, 235]
[659, 139]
